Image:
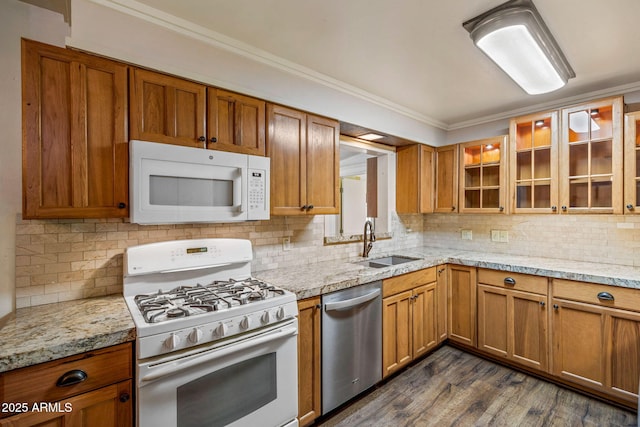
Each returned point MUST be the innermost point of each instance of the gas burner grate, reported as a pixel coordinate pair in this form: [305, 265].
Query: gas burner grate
[198, 299]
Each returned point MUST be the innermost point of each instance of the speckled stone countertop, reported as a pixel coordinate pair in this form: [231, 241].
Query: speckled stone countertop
[53, 331]
[310, 280]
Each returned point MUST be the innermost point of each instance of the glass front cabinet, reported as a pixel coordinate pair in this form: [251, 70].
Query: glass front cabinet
[482, 175]
[632, 163]
[591, 157]
[533, 163]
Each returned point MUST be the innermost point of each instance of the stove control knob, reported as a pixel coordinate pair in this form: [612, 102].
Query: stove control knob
[195, 335]
[245, 323]
[265, 317]
[172, 342]
[220, 330]
[280, 313]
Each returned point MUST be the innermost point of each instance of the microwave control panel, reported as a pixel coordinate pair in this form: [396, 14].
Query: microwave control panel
[258, 187]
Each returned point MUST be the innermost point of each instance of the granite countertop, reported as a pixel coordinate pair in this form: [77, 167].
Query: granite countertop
[53, 331]
[311, 280]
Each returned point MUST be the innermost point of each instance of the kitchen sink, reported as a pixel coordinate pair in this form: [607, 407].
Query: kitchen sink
[387, 261]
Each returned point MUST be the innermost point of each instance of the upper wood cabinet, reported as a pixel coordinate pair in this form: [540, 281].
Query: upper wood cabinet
[304, 152]
[446, 175]
[591, 157]
[533, 163]
[414, 179]
[75, 144]
[483, 175]
[632, 163]
[167, 109]
[235, 122]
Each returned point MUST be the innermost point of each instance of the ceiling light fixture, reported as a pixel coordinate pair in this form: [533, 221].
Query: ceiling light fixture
[371, 136]
[516, 38]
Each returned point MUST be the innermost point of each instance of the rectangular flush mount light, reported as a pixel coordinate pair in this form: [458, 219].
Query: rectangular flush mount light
[516, 38]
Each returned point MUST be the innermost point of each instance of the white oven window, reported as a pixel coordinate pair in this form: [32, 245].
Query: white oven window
[229, 394]
[181, 191]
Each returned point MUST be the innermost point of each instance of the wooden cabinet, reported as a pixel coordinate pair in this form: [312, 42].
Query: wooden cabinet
[167, 109]
[442, 288]
[309, 374]
[414, 179]
[482, 175]
[533, 163]
[596, 337]
[512, 317]
[591, 157]
[446, 176]
[98, 390]
[461, 306]
[235, 122]
[632, 163]
[304, 152]
[409, 318]
[75, 144]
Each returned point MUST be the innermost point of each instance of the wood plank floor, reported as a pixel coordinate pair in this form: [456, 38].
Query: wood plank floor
[454, 388]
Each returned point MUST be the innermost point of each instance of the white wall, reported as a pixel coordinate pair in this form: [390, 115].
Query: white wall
[17, 20]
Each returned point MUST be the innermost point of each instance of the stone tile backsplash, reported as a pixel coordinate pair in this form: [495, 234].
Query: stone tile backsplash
[60, 260]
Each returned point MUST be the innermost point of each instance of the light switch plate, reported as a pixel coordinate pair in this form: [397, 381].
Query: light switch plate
[467, 235]
[286, 243]
[504, 236]
[495, 235]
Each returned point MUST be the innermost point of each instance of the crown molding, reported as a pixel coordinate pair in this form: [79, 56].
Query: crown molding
[218, 40]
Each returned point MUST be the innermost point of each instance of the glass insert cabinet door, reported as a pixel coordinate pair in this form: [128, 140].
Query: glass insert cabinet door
[482, 175]
[591, 157]
[533, 163]
[632, 163]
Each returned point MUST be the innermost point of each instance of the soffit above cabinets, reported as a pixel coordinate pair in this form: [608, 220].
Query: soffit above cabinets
[418, 56]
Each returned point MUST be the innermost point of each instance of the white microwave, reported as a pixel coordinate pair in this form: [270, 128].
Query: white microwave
[170, 184]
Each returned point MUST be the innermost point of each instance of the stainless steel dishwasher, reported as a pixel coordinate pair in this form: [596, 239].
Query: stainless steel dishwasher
[351, 343]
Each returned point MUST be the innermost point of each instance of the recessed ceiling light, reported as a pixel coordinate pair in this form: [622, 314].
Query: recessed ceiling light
[371, 136]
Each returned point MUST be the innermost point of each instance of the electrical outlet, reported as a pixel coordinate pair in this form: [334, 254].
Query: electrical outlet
[495, 235]
[504, 236]
[467, 235]
[286, 243]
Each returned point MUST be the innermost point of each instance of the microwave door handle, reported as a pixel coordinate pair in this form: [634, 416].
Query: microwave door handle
[245, 184]
[177, 365]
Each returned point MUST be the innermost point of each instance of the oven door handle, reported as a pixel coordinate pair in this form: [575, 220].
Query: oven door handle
[202, 267]
[188, 362]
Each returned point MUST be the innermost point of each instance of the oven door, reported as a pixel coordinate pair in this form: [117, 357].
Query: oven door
[252, 381]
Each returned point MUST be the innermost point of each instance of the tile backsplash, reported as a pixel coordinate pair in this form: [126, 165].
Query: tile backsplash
[60, 260]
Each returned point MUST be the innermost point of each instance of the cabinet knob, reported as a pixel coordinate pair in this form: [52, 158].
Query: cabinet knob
[555, 307]
[72, 377]
[202, 139]
[453, 208]
[554, 208]
[304, 208]
[542, 304]
[309, 208]
[124, 397]
[630, 207]
[318, 306]
[501, 208]
[564, 208]
[122, 205]
[213, 139]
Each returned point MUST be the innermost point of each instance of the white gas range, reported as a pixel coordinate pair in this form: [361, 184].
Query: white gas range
[208, 333]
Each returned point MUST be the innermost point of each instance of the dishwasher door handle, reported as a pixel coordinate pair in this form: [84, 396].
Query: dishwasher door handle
[353, 302]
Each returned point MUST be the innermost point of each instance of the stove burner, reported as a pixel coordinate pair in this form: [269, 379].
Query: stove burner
[198, 299]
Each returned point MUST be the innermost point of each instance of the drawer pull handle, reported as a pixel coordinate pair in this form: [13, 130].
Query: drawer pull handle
[71, 378]
[605, 296]
[509, 281]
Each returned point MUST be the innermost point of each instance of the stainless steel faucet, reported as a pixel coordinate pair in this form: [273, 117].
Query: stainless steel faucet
[368, 242]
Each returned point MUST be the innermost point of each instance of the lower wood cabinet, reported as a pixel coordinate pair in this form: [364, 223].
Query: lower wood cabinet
[409, 318]
[85, 390]
[512, 317]
[309, 374]
[596, 337]
[461, 306]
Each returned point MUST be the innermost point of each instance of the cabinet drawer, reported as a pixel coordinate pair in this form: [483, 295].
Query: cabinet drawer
[408, 281]
[521, 282]
[38, 383]
[624, 298]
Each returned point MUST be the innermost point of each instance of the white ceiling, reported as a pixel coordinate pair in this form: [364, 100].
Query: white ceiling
[416, 54]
